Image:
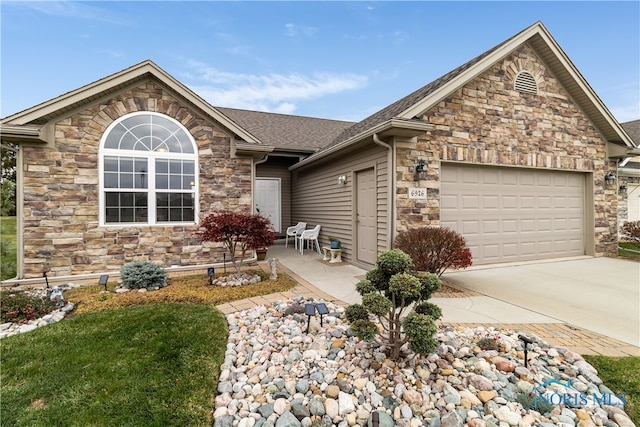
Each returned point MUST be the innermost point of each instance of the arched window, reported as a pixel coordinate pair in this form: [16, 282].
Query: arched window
[148, 172]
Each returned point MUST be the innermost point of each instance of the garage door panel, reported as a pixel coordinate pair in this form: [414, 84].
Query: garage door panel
[509, 214]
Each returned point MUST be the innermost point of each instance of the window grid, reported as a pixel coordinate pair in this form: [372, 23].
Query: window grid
[156, 186]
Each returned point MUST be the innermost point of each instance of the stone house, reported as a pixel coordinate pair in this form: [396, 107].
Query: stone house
[510, 149]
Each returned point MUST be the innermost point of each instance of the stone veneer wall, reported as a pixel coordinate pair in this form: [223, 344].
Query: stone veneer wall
[488, 122]
[61, 184]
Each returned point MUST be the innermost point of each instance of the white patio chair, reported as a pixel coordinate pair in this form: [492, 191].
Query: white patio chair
[309, 236]
[293, 231]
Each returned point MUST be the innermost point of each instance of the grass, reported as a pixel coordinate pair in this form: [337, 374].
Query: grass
[153, 365]
[631, 253]
[130, 359]
[8, 249]
[621, 375]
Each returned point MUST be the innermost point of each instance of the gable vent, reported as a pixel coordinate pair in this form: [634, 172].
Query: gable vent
[526, 83]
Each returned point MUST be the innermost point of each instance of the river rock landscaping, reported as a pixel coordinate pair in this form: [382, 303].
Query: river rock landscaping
[277, 374]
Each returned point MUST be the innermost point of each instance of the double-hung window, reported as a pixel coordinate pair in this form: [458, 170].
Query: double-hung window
[148, 172]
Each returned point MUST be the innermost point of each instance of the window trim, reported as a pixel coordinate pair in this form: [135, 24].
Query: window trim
[151, 190]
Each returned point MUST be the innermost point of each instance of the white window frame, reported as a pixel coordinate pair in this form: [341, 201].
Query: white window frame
[151, 189]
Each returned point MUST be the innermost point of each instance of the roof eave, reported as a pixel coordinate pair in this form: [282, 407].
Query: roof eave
[617, 151]
[392, 127]
[257, 151]
[21, 134]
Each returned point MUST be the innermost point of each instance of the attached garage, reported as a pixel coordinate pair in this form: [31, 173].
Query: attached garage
[513, 214]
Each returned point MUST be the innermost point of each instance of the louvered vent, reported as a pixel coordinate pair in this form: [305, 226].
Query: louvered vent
[526, 83]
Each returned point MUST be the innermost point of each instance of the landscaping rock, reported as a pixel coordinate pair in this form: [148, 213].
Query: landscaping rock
[328, 377]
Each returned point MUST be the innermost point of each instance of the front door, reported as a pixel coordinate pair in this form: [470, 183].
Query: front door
[268, 200]
[366, 246]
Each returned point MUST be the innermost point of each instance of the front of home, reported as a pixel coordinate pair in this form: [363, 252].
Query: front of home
[511, 150]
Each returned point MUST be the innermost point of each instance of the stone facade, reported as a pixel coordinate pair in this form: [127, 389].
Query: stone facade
[61, 192]
[488, 122]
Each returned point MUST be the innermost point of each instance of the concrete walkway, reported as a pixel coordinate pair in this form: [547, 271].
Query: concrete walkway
[467, 307]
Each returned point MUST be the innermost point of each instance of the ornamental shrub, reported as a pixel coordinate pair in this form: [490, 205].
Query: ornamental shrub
[631, 231]
[239, 232]
[388, 293]
[435, 249]
[143, 274]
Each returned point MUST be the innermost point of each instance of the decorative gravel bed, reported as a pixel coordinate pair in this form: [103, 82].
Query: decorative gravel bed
[277, 374]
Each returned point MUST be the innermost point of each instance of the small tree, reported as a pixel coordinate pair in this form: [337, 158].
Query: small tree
[435, 249]
[388, 292]
[239, 232]
[631, 231]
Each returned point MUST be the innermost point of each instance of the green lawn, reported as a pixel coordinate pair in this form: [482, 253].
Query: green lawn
[633, 251]
[7, 247]
[151, 365]
[621, 375]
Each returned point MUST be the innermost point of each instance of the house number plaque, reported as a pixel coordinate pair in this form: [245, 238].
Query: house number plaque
[417, 193]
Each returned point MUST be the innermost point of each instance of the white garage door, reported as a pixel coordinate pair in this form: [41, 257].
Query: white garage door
[509, 214]
[633, 198]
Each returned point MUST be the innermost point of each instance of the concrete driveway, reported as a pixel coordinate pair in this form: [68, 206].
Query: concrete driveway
[598, 294]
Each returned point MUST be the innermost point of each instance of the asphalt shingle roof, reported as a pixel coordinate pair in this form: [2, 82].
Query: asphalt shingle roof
[287, 132]
[633, 130]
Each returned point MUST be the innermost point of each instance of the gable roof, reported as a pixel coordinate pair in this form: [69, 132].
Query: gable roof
[28, 125]
[285, 132]
[538, 37]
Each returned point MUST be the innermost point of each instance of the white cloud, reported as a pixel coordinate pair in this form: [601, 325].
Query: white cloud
[292, 30]
[272, 92]
[70, 9]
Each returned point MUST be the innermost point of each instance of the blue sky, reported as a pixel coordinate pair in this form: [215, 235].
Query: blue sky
[339, 60]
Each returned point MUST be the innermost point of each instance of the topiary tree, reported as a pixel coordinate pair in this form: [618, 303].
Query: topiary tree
[435, 249]
[143, 274]
[239, 232]
[631, 231]
[388, 293]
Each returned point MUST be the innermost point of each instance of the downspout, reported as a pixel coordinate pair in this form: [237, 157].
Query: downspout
[20, 213]
[391, 206]
[254, 176]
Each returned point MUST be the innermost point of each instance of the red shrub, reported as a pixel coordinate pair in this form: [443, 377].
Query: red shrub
[238, 231]
[435, 249]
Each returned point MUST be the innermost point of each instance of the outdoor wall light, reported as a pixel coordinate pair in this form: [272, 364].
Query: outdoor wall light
[610, 178]
[622, 189]
[342, 179]
[420, 171]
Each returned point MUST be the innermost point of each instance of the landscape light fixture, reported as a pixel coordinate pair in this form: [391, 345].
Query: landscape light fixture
[103, 281]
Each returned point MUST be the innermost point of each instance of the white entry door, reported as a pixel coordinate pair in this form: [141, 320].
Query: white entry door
[268, 200]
